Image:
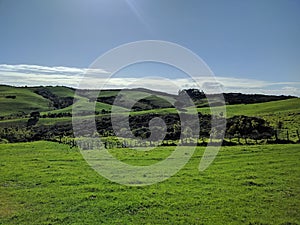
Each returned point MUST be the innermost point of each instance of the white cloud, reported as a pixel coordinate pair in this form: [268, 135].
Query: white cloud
[35, 69]
[33, 75]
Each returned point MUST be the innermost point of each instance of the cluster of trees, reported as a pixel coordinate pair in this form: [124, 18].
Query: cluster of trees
[56, 115]
[48, 115]
[14, 116]
[15, 134]
[11, 96]
[56, 101]
[232, 98]
[35, 133]
[194, 94]
[239, 98]
[34, 118]
[248, 128]
[239, 127]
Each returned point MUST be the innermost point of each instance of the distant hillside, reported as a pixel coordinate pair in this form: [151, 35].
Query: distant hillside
[239, 98]
[47, 111]
[155, 100]
[20, 101]
[200, 99]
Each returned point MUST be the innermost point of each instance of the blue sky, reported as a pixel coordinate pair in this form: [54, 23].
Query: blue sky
[254, 41]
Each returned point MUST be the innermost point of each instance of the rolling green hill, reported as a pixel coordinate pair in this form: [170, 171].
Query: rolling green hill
[285, 111]
[48, 99]
[25, 99]
[128, 97]
[60, 91]
[281, 106]
[15, 100]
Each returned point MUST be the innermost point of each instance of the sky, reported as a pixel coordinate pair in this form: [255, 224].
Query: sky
[251, 46]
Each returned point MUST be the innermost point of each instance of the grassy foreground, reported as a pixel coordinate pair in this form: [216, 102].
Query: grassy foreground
[49, 183]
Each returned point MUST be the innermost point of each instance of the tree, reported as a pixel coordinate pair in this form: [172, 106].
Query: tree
[248, 127]
[34, 118]
[35, 114]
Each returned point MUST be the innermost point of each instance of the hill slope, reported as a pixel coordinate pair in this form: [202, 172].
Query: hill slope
[281, 106]
[20, 101]
[59, 99]
[15, 100]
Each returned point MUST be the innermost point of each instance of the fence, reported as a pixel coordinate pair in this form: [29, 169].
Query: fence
[280, 136]
[287, 134]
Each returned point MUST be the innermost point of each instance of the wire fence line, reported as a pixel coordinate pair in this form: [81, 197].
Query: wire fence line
[280, 136]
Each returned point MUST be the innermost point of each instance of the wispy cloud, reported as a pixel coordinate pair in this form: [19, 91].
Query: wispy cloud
[32, 75]
[35, 69]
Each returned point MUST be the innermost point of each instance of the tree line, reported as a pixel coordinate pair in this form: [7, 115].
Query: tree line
[239, 130]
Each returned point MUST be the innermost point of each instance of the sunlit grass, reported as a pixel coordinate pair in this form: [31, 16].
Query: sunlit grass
[49, 183]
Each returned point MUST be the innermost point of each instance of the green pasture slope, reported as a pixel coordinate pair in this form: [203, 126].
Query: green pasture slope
[282, 106]
[49, 183]
[286, 111]
[25, 101]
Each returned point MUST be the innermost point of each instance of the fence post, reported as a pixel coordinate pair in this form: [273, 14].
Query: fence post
[276, 135]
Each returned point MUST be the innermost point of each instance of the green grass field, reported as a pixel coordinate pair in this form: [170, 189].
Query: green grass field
[285, 111]
[26, 101]
[289, 105]
[49, 183]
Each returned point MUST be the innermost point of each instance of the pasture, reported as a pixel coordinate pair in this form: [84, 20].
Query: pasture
[49, 183]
